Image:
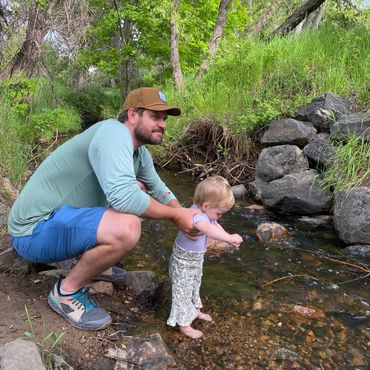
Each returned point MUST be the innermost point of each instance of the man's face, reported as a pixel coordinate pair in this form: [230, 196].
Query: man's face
[149, 128]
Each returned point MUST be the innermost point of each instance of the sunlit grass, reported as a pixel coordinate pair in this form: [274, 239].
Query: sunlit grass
[351, 167]
[255, 81]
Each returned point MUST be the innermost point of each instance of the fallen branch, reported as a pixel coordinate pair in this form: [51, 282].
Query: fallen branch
[289, 277]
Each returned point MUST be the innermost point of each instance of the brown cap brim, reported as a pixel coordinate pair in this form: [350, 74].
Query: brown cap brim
[171, 111]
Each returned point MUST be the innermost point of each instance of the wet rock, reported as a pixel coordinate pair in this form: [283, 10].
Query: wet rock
[148, 352]
[21, 354]
[217, 248]
[362, 251]
[285, 354]
[318, 221]
[255, 208]
[277, 161]
[271, 232]
[288, 131]
[352, 215]
[324, 111]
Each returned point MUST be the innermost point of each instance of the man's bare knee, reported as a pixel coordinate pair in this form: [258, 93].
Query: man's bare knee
[119, 230]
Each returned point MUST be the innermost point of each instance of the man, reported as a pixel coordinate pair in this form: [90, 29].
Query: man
[85, 200]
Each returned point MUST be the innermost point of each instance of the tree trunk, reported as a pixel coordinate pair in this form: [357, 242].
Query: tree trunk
[319, 16]
[292, 21]
[174, 46]
[216, 37]
[38, 26]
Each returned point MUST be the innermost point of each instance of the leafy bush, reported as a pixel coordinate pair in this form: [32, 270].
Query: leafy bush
[50, 123]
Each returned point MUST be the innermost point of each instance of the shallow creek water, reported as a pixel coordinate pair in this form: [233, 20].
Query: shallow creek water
[256, 326]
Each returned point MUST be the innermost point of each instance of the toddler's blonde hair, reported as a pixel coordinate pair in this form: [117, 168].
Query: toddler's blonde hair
[214, 190]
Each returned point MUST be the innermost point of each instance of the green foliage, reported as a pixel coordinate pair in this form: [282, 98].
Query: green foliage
[17, 93]
[14, 153]
[351, 167]
[50, 123]
[47, 346]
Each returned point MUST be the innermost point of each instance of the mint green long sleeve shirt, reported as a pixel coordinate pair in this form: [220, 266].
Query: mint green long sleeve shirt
[98, 167]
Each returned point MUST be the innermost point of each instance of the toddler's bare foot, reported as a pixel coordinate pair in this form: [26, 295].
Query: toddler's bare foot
[204, 316]
[190, 332]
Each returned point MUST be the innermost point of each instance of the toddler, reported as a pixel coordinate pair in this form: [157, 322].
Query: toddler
[213, 197]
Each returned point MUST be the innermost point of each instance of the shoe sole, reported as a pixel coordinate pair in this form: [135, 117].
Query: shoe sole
[71, 322]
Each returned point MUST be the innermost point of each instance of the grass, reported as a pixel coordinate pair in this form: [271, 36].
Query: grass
[351, 167]
[47, 345]
[14, 153]
[255, 81]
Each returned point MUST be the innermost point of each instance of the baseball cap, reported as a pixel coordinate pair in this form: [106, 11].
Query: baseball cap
[149, 98]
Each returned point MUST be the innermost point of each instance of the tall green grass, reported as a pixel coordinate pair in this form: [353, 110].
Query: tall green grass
[351, 167]
[14, 153]
[254, 81]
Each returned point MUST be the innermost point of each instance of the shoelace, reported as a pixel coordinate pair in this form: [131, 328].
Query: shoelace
[84, 300]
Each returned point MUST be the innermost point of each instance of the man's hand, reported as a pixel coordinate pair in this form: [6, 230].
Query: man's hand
[184, 221]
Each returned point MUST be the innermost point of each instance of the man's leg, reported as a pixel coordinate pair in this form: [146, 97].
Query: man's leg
[117, 234]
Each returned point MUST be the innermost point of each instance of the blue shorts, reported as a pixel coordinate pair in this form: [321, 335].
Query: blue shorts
[66, 234]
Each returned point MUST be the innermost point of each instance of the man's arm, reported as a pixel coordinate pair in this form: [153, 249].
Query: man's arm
[217, 233]
[180, 216]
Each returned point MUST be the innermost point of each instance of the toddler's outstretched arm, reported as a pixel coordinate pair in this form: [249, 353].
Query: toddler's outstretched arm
[217, 233]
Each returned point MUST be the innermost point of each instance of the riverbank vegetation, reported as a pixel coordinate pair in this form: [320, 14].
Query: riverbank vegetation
[226, 86]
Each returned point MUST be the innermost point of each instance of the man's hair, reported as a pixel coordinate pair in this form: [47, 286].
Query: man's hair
[122, 117]
[214, 190]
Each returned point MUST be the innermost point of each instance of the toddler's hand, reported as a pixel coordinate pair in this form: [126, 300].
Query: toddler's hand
[235, 240]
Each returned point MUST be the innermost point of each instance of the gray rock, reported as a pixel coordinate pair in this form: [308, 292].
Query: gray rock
[21, 354]
[239, 191]
[357, 124]
[297, 193]
[142, 282]
[352, 215]
[324, 111]
[320, 150]
[289, 131]
[362, 251]
[278, 161]
[285, 354]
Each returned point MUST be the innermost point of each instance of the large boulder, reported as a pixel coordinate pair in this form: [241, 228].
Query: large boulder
[296, 193]
[288, 131]
[356, 124]
[352, 216]
[324, 111]
[277, 161]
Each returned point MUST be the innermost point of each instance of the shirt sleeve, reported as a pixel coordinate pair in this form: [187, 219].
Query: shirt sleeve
[111, 157]
[198, 217]
[148, 175]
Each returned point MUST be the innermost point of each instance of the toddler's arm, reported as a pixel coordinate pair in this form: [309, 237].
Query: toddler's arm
[218, 233]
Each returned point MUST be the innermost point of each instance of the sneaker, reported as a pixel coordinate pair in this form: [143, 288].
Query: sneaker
[114, 274]
[79, 309]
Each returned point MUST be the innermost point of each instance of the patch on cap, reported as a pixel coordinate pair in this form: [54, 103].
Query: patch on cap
[162, 96]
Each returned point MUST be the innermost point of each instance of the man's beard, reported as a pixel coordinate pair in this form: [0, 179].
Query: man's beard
[146, 137]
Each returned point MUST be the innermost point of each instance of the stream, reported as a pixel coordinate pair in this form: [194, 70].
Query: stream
[253, 293]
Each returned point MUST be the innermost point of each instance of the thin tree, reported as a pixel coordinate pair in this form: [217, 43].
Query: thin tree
[25, 60]
[174, 46]
[216, 36]
[297, 17]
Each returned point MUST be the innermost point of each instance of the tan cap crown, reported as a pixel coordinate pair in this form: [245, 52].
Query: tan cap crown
[149, 98]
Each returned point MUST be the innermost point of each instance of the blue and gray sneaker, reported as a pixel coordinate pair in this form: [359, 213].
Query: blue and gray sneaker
[79, 309]
[114, 274]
